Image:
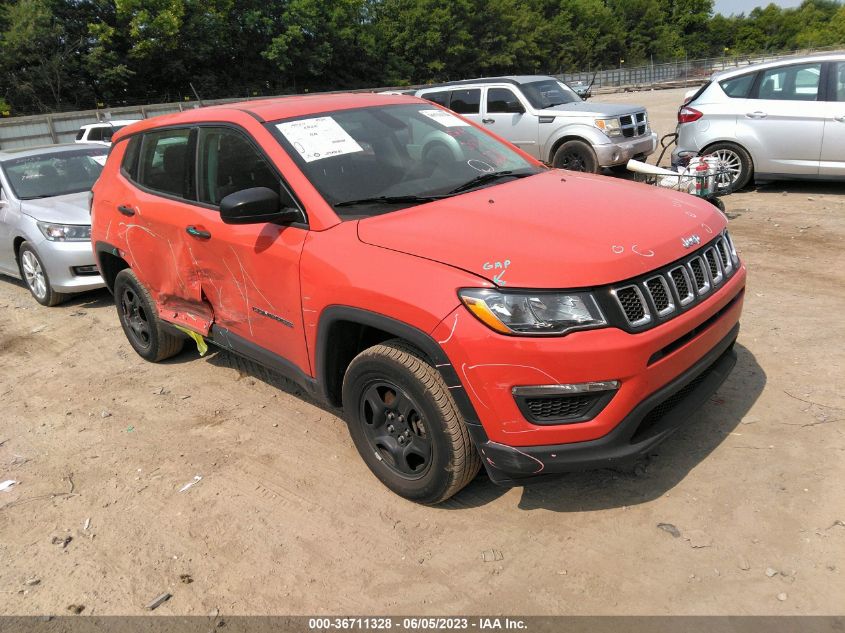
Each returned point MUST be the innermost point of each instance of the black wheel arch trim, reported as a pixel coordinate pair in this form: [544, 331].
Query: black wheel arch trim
[426, 344]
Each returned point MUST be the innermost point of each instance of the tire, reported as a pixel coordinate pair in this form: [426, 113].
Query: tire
[34, 275]
[735, 158]
[576, 156]
[139, 319]
[406, 425]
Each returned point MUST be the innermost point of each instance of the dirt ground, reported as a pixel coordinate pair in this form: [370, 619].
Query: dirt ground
[287, 519]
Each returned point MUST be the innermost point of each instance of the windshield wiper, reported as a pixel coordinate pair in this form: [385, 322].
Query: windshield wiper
[387, 200]
[483, 179]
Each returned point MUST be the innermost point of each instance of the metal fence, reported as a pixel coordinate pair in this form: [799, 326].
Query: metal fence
[45, 129]
[679, 73]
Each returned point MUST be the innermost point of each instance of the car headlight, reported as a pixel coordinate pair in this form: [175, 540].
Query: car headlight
[611, 127]
[533, 313]
[65, 232]
[734, 254]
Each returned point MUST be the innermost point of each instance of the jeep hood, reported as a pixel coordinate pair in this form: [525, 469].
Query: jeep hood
[557, 229]
[591, 108]
[68, 209]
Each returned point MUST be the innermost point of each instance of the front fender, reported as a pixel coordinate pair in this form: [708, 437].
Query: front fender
[582, 131]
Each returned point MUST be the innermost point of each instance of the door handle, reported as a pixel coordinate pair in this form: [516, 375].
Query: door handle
[841, 119]
[126, 210]
[756, 115]
[488, 121]
[199, 233]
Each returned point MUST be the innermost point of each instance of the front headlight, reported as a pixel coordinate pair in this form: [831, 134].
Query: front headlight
[533, 313]
[65, 232]
[611, 127]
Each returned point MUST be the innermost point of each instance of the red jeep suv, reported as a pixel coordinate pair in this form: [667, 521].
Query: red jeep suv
[465, 304]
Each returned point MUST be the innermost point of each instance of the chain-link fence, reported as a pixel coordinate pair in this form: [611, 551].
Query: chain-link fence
[672, 74]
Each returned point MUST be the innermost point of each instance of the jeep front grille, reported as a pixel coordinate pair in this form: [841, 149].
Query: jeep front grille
[667, 292]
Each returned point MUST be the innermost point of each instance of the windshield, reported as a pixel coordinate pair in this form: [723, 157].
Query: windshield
[54, 174]
[399, 155]
[549, 93]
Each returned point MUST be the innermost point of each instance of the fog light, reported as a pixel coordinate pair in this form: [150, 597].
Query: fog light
[84, 271]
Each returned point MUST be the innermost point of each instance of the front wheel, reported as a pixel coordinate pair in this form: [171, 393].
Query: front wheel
[406, 425]
[576, 156]
[35, 276]
[139, 319]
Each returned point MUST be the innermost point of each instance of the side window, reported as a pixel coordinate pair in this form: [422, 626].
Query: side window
[502, 100]
[465, 101]
[80, 134]
[129, 165]
[440, 98]
[838, 77]
[95, 134]
[165, 162]
[738, 87]
[791, 83]
[229, 162]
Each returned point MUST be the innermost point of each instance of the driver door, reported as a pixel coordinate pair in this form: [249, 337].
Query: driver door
[505, 115]
[250, 272]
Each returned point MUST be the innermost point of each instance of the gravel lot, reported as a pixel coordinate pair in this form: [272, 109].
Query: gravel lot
[287, 519]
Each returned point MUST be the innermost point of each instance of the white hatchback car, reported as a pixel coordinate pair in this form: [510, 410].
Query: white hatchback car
[101, 132]
[778, 120]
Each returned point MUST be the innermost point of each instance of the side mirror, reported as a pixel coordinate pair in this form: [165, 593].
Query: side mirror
[255, 206]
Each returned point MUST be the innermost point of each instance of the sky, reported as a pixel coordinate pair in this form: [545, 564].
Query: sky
[726, 7]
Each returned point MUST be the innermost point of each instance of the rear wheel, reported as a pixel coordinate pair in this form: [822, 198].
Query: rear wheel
[35, 276]
[405, 424]
[576, 156]
[737, 164]
[139, 318]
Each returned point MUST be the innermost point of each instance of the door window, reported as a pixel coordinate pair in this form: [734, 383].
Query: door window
[465, 101]
[95, 134]
[791, 83]
[503, 101]
[440, 98]
[229, 162]
[165, 162]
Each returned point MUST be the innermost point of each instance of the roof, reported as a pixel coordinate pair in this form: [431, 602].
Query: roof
[508, 79]
[783, 61]
[273, 109]
[23, 152]
[110, 123]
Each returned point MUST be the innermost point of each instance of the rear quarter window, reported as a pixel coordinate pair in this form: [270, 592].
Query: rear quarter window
[738, 87]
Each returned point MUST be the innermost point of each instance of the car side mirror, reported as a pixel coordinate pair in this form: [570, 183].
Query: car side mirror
[255, 206]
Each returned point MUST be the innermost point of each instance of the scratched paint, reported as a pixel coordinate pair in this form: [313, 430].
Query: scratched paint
[452, 333]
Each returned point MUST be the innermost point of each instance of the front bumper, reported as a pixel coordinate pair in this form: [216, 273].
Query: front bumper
[621, 151]
[61, 259]
[651, 422]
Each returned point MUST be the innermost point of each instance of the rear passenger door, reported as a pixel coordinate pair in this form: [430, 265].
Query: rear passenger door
[505, 115]
[152, 214]
[250, 272]
[833, 145]
[784, 121]
[467, 103]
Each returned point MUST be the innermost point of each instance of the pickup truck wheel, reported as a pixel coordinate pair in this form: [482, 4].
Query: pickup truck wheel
[35, 276]
[735, 161]
[139, 318]
[406, 425]
[576, 156]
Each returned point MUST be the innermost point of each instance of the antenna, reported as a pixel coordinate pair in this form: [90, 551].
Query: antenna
[196, 94]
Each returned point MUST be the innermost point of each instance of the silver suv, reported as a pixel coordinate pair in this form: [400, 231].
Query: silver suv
[545, 118]
[781, 119]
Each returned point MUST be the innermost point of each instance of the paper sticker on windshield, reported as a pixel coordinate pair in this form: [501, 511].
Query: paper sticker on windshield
[100, 159]
[444, 118]
[318, 138]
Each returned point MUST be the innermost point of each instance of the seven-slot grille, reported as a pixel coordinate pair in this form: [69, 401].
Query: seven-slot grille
[634, 124]
[662, 295]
